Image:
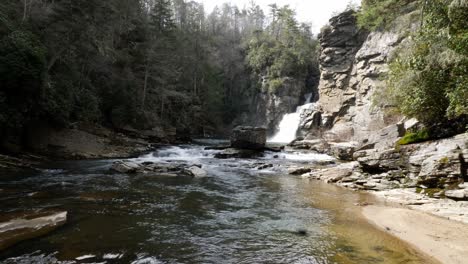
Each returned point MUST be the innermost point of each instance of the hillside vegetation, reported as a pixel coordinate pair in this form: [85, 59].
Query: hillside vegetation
[141, 63]
[428, 78]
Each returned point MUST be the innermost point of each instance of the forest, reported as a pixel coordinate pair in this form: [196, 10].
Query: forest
[141, 64]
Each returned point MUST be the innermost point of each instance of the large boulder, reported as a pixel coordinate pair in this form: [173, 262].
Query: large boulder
[253, 138]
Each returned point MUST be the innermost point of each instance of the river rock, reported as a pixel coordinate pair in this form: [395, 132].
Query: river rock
[318, 145]
[253, 138]
[299, 170]
[232, 153]
[126, 167]
[29, 226]
[196, 172]
[343, 151]
[337, 173]
[456, 194]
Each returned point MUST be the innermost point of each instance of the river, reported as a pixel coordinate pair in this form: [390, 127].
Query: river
[238, 214]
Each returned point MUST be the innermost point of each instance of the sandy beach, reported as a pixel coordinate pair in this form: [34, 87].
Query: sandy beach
[442, 239]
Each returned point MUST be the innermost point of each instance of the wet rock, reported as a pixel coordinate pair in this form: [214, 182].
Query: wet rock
[196, 172]
[299, 170]
[338, 173]
[126, 167]
[217, 147]
[232, 153]
[318, 145]
[265, 166]
[253, 138]
[29, 226]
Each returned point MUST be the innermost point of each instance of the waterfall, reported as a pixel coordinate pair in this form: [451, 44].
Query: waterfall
[290, 123]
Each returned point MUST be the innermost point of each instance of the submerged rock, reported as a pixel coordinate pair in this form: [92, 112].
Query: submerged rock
[28, 227]
[253, 138]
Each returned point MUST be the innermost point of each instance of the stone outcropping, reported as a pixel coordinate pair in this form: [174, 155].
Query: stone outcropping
[438, 169]
[353, 128]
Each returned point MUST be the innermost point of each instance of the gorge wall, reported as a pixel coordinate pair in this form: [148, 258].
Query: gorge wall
[351, 121]
[352, 64]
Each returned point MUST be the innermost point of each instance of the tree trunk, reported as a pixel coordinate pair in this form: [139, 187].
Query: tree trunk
[25, 9]
[145, 87]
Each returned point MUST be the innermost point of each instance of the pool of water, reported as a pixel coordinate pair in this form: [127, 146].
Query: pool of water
[238, 214]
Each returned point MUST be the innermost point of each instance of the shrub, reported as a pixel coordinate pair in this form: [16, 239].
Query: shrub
[428, 79]
[376, 14]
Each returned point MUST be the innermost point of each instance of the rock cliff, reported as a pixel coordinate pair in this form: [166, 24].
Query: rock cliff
[351, 127]
[352, 64]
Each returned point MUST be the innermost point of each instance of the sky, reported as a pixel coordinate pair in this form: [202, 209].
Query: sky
[318, 12]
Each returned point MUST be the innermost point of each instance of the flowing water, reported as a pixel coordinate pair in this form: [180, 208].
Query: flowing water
[290, 123]
[238, 214]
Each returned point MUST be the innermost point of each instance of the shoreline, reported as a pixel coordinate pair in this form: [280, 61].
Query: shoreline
[442, 239]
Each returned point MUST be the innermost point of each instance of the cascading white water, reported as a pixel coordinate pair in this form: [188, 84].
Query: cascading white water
[290, 123]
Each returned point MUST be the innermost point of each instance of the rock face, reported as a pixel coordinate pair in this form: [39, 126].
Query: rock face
[253, 138]
[352, 64]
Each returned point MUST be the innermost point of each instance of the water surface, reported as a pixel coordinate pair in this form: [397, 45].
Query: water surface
[238, 214]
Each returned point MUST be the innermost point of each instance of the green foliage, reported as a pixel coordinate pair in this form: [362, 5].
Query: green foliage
[284, 49]
[377, 14]
[142, 64]
[429, 78]
[416, 137]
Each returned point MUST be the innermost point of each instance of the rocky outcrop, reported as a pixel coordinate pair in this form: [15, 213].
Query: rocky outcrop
[437, 168]
[253, 138]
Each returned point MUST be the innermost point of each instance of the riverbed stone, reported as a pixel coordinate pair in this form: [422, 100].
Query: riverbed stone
[456, 194]
[299, 170]
[253, 138]
[343, 150]
[197, 172]
[29, 226]
[232, 153]
[126, 167]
